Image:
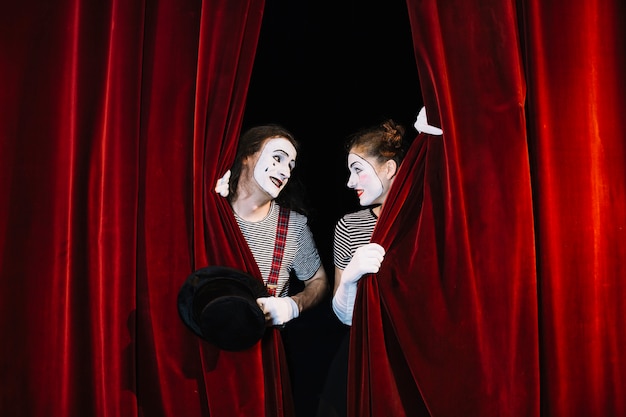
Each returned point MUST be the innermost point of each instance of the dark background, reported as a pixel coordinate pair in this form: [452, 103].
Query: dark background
[324, 70]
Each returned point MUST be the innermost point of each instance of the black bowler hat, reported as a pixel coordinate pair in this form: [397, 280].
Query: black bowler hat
[218, 304]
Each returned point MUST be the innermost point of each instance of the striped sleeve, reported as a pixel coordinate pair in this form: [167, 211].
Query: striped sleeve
[351, 232]
[307, 259]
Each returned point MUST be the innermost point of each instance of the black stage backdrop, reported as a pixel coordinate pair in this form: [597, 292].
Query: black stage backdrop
[324, 70]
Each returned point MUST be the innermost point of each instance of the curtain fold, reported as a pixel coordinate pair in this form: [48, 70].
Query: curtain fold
[116, 121]
[485, 326]
[256, 381]
[502, 292]
[168, 372]
[201, 380]
[456, 295]
[68, 160]
[576, 63]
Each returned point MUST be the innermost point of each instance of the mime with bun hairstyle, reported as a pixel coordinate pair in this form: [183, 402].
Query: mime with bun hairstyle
[374, 157]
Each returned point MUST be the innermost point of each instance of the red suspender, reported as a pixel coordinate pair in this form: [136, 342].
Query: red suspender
[279, 249]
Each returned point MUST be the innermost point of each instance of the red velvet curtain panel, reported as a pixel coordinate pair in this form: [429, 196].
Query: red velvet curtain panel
[504, 295]
[69, 120]
[256, 381]
[116, 119]
[502, 292]
[576, 61]
[203, 380]
[453, 311]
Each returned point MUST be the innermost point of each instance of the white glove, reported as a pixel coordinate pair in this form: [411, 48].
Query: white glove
[422, 126]
[278, 310]
[366, 260]
[221, 186]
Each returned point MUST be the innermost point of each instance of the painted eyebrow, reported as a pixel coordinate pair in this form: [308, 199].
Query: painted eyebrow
[291, 162]
[282, 152]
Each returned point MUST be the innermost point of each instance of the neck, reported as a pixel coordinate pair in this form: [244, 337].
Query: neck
[251, 208]
[376, 210]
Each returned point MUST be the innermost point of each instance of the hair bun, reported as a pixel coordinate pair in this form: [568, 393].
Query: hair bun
[393, 133]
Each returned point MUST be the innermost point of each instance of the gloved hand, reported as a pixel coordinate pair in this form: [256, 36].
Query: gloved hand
[422, 126]
[366, 260]
[221, 186]
[278, 310]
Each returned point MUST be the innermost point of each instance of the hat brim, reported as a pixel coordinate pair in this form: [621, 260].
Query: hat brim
[218, 304]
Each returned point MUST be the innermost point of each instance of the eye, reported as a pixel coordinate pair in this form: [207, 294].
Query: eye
[277, 158]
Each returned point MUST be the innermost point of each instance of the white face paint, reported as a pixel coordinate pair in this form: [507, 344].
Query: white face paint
[274, 166]
[364, 180]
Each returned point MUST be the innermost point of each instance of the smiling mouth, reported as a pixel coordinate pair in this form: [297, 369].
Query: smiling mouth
[278, 183]
[359, 193]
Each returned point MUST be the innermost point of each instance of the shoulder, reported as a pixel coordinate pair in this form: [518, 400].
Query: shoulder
[354, 220]
[295, 218]
[299, 217]
[357, 217]
[356, 225]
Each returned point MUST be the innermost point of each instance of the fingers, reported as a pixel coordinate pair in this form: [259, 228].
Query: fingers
[261, 302]
[422, 126]
[374, 249]
[371, 251]
[278, 310]
[222, 185]
[369, 258]
[373, 266]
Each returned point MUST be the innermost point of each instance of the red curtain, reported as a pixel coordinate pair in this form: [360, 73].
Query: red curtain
[116, 119]
[502, 290]
[576, 61]
[69, 169]
[189, 143]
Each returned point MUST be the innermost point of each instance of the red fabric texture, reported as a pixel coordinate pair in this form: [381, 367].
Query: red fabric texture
[203, 380]
[577, 99]
[502, 293]
[116, 122]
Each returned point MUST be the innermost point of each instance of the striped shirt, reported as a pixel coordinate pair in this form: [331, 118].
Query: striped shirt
[300, 257]
[351, 232]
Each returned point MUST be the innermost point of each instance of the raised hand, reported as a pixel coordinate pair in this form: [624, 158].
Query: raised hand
[222, 185]
[422, 126]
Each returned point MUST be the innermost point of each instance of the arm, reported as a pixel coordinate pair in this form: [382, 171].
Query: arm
[315, 288]
[366, 260]
[343, 298]
[280, 310]
[338, 273]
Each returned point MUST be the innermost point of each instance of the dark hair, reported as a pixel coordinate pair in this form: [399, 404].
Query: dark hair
[250, 142]
[383, 141]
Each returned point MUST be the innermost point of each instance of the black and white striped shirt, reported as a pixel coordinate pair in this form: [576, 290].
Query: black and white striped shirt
[351, 232]
[301, 255]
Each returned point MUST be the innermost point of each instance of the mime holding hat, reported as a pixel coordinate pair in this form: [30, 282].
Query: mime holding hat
[267, 209]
